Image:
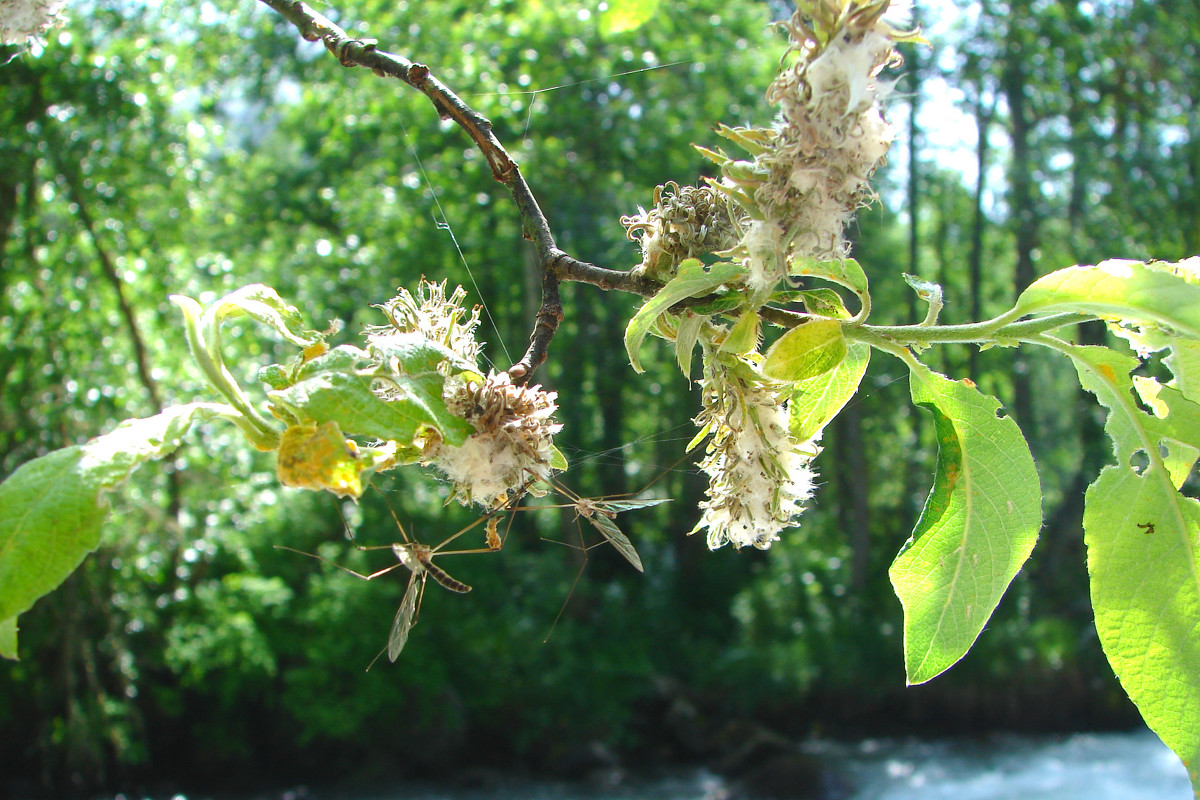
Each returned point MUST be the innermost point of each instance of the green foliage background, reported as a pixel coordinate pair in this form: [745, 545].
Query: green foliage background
[177, 149]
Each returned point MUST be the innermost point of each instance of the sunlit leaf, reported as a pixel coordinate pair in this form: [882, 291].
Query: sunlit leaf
[979, 525]
[1143, 543]
[817, 400]
[626, 15]
[51, 508]
[1121, 289]
[807, 350]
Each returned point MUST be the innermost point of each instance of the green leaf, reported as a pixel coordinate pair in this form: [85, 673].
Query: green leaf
[755, 141]
[717, 156]
[817, 400]
[331, 390]
[842, 271]
[719, 304]
[1125, 290]
[51, 508]
[806, 351]
[1142, 537]
[743, 337]
[626, 15]
[692, 280]
[979, 525]
[824, 303]
[8, 638]
[685, 340]
[558, 462]
[203, 331]
[263, 304]
[928, 291]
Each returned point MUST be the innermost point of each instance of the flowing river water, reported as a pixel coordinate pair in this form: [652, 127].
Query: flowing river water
[1084, 766]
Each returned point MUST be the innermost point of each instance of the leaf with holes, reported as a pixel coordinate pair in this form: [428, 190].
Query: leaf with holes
[1143, 548]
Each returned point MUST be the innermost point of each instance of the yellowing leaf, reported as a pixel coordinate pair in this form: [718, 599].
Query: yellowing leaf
[319, 457]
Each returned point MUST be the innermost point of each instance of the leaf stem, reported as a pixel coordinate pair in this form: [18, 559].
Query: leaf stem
[260, 432]
[1004, 329]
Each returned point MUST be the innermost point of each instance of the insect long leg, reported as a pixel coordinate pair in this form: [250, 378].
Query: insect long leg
[601, 513]
[372, 576]
[583, 549]
[418, 559]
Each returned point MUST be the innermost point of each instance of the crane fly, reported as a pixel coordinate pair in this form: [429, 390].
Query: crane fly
[601, 513]
[417, 557]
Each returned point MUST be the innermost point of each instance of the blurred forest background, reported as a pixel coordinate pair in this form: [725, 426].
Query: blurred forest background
[192, 148]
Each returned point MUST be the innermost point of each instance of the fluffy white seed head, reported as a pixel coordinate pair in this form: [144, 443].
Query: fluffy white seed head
[22, 20]
[513, 442]
[759, 478]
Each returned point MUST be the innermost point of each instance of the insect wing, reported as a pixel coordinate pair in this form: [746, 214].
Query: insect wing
[617, 506]
[620, 541]
[404, 618]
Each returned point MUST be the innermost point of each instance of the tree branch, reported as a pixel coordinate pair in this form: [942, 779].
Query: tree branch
[315, 27]
[553, 264]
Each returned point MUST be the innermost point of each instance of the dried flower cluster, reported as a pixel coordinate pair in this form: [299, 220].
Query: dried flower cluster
[832, 132]
[685, 222]
[22, 20]
[513, 443]
[790, 199]
[436, 317]
[759, 479]
[811, 170]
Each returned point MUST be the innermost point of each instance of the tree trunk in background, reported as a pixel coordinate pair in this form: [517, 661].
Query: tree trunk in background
[610, 372]
[854, 514]
[983, 123]
[913, 74]
[1061, 551]
[850, 495]
[1022, 191]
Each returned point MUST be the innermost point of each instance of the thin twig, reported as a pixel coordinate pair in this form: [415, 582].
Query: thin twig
[350, 51]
